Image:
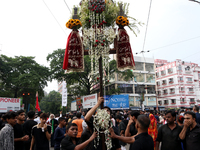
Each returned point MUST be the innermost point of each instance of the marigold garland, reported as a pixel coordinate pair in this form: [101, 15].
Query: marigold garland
[122, 21]
[73, 24]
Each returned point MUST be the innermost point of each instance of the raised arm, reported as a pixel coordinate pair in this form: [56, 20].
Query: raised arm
[128, 140]
[127, 132]
[84, 144]
[92, 110]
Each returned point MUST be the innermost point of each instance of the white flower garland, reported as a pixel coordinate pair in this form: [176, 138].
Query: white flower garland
[102, 122]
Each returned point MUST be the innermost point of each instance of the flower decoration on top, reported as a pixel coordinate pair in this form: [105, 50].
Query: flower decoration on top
[97, 6]
[122, 21]
[73, 24]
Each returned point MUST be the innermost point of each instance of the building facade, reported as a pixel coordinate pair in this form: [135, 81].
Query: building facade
[177, 84]
[141, 89]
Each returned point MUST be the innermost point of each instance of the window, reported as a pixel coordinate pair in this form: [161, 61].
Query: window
[125, 88]
[182, 99]
[160, 102]
[165, 102]
[163, 72]
[164, 91]
[150, 78]
[172, 91]
[187, 68]
[139, 66]
[191, 89]
[181, 78]
[170, 70]
[164, 82]
[192, 100]
[138, 77]
[173, 101]
[157, 74]
[179, 67]
[189, 79]
[151, 89]
[158, 83]
[149, 67]
[171, 80]
[159, 92]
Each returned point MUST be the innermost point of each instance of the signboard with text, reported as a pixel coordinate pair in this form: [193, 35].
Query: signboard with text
[89, 101]
[8, 104]
[117, 101]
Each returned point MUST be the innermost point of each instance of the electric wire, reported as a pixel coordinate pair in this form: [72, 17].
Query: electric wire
[68, 7]
[54, 17]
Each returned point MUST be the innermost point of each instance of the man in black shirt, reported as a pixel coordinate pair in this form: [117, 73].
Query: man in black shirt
[19, 137]
[168, 134]
[115, 142]
[121, 130]
[27, 127]
[70, 142]
[142, 140]
[191, 132]
[41, 134]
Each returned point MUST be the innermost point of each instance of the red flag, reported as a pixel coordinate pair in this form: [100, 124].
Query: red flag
[37, 104]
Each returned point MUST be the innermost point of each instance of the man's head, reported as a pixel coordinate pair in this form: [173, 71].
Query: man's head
[170, 116]
[118, 118]
[11, 117]
[21, 115]
[52, 116]
[196, 109]
[62, 121]
[39, 113]
[107, 109]
[31, 114]
[72, 130]
[133, 115]
[142, 123]
[78, 115]
[43, 118]
[190, 118]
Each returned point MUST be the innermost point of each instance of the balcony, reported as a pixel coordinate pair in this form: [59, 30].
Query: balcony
[173, 103]
[189, 82]
[192, 102]
[191, 92]
[164, 83]
[165, 93]
[173, 92]
[170, 72]
[180, 81]
[171, 82]
[181, 91]
[163, 74]
[183, 102]
[166, 103]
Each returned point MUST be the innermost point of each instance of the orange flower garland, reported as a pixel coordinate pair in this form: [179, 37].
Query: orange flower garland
[122, 21]
[73, 24]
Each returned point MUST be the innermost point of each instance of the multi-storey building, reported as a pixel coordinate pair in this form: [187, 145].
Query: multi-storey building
[178, 84]
[141, 87]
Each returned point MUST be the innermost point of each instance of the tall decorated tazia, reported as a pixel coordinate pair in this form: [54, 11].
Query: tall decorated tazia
[74, 53]
[125, 58]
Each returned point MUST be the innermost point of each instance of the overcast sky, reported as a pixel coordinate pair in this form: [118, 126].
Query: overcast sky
[37, 28]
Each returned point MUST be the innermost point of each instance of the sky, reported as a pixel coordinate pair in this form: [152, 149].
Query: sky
[37, 28]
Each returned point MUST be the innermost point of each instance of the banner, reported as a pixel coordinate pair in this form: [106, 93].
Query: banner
[78, 101]
[117, 101]
[89, 101]
[8, 104]
[125, 58]
[74, 53]
[64, 94]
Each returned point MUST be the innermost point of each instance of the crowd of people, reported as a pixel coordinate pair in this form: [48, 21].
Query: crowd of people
[141, 130]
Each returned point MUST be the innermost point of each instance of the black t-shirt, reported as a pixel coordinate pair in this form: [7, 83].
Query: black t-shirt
[169, 138]
[18, 133]
[121, 127]
[67, 144]
[192, 138]
[27, 127]
[143, 141]
[133, 132]
[41, 141]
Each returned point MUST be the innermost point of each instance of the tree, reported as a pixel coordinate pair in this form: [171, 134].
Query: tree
[82, 82]
[51, 103]
[21, 77]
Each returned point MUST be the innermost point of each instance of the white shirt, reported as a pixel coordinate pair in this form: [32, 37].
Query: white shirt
[37, 119]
